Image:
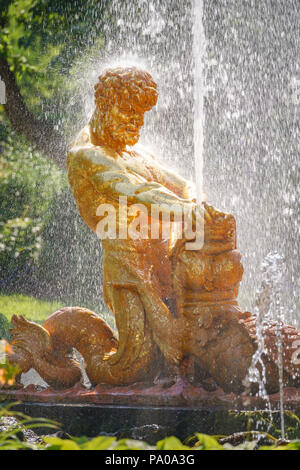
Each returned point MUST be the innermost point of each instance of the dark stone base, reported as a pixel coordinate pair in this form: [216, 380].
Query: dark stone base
[154, 423]
[151, 412]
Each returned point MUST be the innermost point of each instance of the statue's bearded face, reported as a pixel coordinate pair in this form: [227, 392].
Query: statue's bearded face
[122, 96]
[123, 123]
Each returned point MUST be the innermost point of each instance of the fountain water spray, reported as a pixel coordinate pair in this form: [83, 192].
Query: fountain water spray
[198, 54]
[199, 116]
[268, 309]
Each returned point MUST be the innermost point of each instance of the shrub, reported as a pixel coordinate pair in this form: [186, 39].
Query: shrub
[19, 243]
[4, 328]
[28, 182]
[40, 225]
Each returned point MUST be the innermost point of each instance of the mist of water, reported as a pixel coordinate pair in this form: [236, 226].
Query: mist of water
[199, 118]
[269, 308]
[248, 77]
[251, 129]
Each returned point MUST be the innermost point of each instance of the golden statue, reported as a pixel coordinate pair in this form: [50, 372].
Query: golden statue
[175, 309]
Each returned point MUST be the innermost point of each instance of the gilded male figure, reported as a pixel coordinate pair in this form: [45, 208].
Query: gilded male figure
[171, 305]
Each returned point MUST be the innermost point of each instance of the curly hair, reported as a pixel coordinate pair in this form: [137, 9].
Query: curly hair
[127, 86]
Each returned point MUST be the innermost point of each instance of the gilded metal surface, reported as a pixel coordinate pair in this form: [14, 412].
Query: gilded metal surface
[172, 306]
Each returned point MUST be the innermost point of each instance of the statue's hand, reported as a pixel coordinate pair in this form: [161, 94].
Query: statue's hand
[211, 214]
[206, 213]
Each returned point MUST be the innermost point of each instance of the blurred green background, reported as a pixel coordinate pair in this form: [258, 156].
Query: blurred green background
[48, 257]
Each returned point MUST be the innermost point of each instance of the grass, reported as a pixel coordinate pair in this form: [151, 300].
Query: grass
[33, 309]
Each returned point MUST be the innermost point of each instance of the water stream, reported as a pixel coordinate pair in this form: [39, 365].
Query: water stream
[269, 308]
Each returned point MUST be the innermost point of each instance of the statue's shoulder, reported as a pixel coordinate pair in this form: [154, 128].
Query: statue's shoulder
[140, 149]
[83, 149]
[81, 142]
[83, 138]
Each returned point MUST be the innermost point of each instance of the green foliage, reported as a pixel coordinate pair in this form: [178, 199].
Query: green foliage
[61, 444]
[22, 43]
[171, 443]
[11, 438]
[40, 40]
[204, 442]
[97, 443]
[19, 242]
[293, 445]
[248, 445]
[4, 327]
[28, 180]
[39, 223]
[261, 420]
[8, 372]
[27, 184]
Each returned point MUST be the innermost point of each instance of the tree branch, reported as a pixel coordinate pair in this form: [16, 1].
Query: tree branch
[40, 134]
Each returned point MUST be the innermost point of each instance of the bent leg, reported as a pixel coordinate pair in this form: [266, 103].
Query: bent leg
[166, 330]
[136, 356]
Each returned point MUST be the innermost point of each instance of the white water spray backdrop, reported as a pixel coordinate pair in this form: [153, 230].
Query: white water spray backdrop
[269, 312]
[251, 132]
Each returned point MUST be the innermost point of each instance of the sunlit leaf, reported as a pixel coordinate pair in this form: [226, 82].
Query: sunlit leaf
[171, 443]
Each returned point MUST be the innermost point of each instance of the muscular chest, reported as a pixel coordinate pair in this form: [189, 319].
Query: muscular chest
[135, 163]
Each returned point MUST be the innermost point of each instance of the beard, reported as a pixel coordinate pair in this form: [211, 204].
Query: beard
[113, 133]
[125, 136]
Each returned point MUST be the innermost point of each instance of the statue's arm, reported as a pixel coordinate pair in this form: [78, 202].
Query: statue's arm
[169, 178]
[108, 177]
[140, 191]
[89, 165]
